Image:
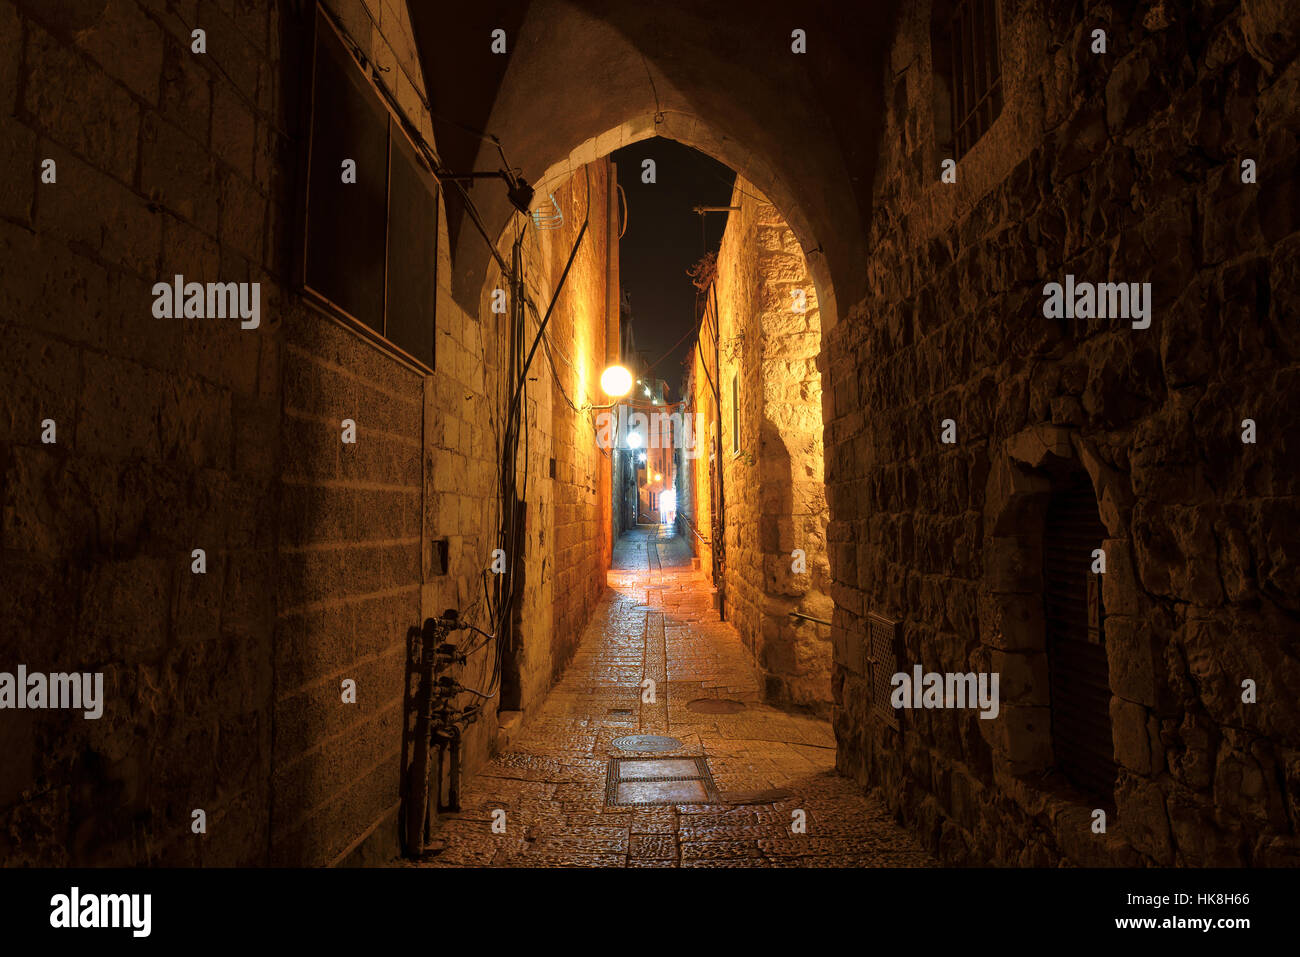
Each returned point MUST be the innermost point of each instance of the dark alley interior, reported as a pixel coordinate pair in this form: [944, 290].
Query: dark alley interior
[589, 434]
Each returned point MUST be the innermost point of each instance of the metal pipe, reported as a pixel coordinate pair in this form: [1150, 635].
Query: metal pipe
[691, 526]
[613, 351]
[820, 621]
[418, 775]
[449, 741]
[453, 780]
[719, 534]
[436, 804]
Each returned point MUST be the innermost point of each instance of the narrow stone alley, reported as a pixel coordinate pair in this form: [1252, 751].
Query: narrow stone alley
[760, 766]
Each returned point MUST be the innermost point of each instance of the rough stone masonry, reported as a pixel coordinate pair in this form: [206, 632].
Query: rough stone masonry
[181, 516]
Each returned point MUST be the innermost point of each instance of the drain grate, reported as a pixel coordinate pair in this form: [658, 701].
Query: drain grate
[646, 742]
[640, 782]
[715, 706]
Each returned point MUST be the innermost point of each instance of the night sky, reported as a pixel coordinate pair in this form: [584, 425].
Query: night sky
[663, 240]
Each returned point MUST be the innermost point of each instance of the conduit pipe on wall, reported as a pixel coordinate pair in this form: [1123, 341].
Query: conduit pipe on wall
[720, 534]
[613, 354]
[417, 790]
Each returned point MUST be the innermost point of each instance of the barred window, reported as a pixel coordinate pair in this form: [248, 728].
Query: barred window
[968, 72]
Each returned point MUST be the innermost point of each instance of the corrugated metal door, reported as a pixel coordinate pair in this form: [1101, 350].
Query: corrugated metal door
[1076, 649]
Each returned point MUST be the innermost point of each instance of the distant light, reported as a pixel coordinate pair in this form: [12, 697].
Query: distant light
[667, 501]
[659, 477]
[634, 442]
[616, 381]
[641, 458]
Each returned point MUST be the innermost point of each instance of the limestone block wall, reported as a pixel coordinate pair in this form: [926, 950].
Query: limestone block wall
[166, 431]
[695, 477]
[775, 502]
[1104, 167]
[223, 690]
[355, 575]
[567, 526]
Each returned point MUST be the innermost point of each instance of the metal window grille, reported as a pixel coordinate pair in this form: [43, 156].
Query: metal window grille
[976, 70]
[882, 659]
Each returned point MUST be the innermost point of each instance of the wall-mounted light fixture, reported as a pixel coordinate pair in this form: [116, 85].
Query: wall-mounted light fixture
[616, 382]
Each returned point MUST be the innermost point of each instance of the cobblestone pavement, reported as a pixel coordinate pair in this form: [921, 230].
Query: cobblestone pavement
[657, 622]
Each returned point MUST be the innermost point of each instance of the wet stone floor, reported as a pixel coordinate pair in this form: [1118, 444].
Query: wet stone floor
[553, 780]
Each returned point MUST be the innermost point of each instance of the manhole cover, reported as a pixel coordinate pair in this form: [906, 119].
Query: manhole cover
[715, 706]
[646, 742]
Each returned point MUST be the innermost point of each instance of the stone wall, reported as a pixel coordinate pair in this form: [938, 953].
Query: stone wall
[774, 499]
[224, 689]
[354, 577]
[568, 541]
[166, 434]
[695, 477]
[1122, 166]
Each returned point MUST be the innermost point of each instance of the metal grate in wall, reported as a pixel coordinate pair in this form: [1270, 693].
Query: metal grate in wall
[882, 658]
[1079, 676]
[976, 70]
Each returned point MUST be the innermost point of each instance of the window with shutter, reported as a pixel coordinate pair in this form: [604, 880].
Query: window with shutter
[370, 233]
[1079, 675]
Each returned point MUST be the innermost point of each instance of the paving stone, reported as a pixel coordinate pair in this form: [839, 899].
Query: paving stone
[658, 622]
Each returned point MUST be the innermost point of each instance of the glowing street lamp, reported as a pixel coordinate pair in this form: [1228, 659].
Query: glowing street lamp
[616, 382]
[634, 441]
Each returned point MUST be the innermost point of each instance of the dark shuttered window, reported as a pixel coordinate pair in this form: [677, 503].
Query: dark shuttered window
[1076, 650]
[370, 249]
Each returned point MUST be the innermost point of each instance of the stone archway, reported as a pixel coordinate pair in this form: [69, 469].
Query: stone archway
[691, 132]
[581, 78]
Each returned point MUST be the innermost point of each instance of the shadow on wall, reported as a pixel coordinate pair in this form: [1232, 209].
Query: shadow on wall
[794, 654]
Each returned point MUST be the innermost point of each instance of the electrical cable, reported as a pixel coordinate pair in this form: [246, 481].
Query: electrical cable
[693, 330]
[478, 223]
[549, 309]
[515, 425]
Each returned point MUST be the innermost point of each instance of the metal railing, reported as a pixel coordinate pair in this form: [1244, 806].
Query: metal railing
[820, 621]
[694, 531]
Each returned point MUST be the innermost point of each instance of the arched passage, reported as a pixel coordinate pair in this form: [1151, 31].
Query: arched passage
[579, 79]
